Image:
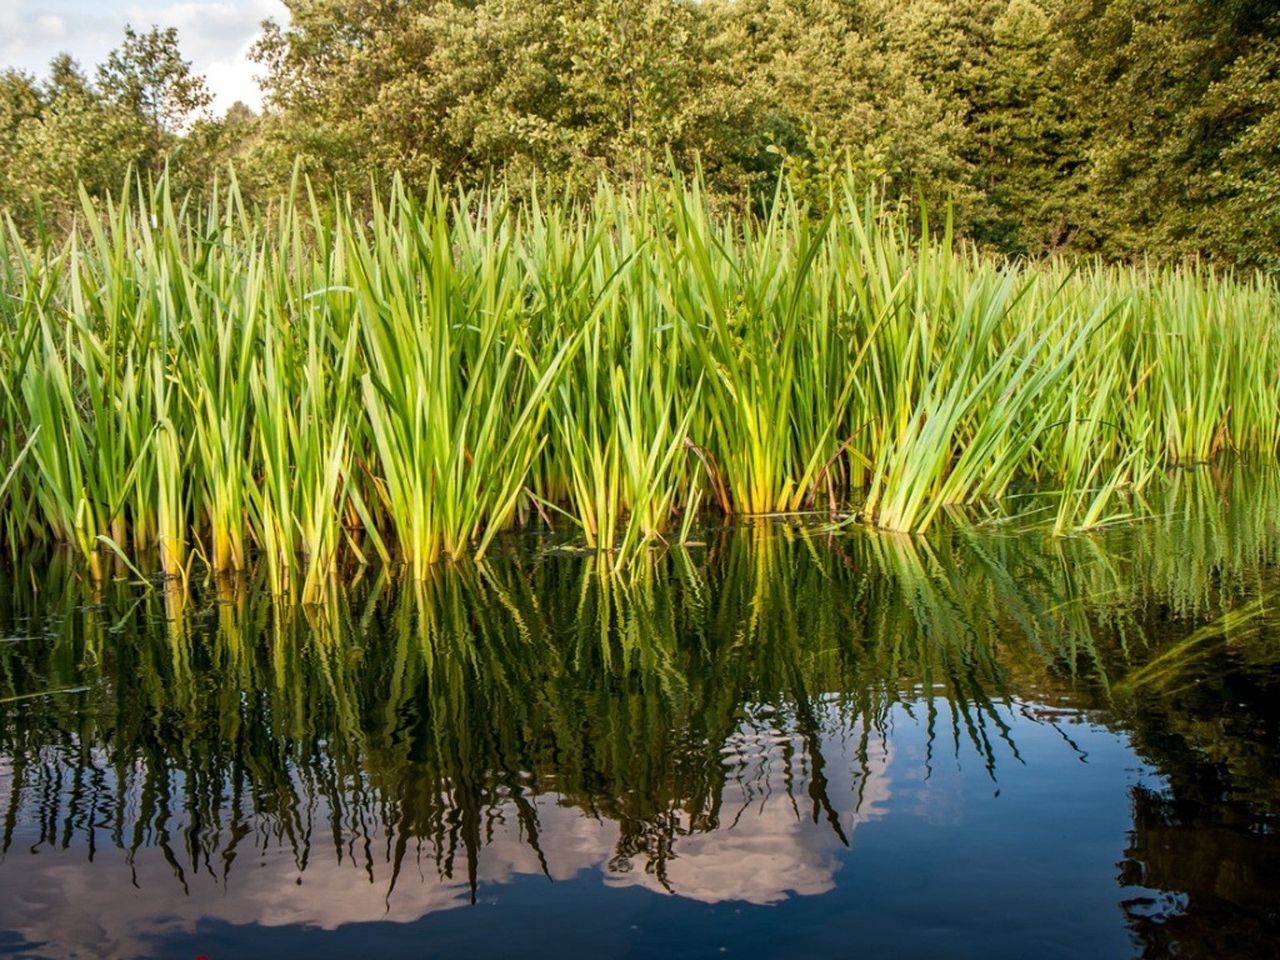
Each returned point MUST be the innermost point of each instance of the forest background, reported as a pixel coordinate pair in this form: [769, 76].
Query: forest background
[1129, 129]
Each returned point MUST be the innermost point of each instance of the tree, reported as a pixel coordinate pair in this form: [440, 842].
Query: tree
[71, 139]
[570, 88]
[69, 132]
[148, 82]
[20, 104]
[1247, 97]
[1181, 99]
[1028, 143]
[1124, 128]
[830, 81]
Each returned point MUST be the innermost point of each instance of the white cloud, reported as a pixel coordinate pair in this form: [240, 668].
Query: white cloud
[765, 850]
[51, 26]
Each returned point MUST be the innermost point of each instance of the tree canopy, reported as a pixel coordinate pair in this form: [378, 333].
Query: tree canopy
[1125, 128]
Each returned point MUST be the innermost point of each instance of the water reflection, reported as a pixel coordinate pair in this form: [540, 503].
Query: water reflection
[717, 727]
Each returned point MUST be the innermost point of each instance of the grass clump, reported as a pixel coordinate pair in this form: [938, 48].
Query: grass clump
[315, 381]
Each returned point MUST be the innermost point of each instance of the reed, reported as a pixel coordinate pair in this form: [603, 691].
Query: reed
[319, 381]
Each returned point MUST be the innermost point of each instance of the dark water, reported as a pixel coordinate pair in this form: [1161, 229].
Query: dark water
[777, 743]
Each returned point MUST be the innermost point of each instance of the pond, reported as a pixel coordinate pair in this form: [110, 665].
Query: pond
[779, 740]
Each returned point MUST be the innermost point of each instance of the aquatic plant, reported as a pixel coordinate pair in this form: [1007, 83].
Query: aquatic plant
[313, 382]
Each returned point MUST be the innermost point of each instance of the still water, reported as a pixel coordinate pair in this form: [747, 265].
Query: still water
[776, 742]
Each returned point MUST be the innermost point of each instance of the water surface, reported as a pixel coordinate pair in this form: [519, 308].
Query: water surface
[777, 742]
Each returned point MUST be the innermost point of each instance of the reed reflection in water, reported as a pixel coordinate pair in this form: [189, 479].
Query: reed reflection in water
[719, 726]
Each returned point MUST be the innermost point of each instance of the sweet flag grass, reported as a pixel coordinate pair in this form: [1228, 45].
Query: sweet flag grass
[404, 380]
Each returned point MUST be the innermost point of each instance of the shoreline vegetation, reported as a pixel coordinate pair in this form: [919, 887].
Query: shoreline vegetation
[404, 381]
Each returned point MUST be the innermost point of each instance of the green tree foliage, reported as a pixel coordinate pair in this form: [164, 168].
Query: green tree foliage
[71, 130]
[826, 87]
[1028, 143]
[1182, 98]
[146, 80]
[563, 87]
[61, 131]
[1126, 128]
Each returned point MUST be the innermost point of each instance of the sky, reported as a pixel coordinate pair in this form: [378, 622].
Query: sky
[215, 36]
